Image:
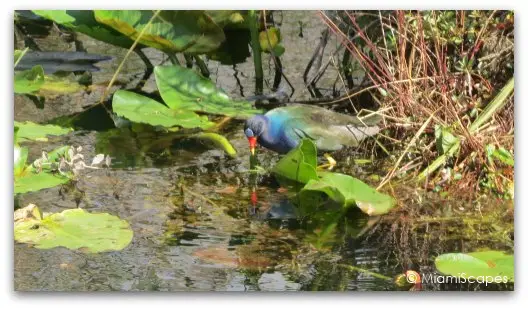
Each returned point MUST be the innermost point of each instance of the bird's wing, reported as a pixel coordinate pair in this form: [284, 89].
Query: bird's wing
[326, 137]
[325, 116]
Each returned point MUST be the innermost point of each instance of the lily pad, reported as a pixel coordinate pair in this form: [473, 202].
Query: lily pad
[75, 229]
[31, 182]
[299, 164]
[54, 86]
[38, 132]
[492, 266]
[348, 191]
[172, 31]
[183, 88]
[29, 81]
[138, 108]
[84, 21]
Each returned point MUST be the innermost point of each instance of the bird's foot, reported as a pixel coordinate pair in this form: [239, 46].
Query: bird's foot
[331, 163]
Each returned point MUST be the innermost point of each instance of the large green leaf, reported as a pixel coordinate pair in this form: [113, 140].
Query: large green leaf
[171, 31]
[38, 132]
[29, 81]
[31, 182]
[347, 191]
[138, 108]
[84, 22]
[75, 229]
[183, 88]
[299, 164]
[496, 266]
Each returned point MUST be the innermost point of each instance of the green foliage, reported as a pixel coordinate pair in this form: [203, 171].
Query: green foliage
[32, 182]
[347, 190]
[74, 229]
[496, 266]
[138, 108]
[54, 85]
[270, 40]
[218, 140]
[84, 22]
[20, 159]
[300, 165]
[19, 54]
[183, 88]
[29, 81]
[37, 132]
[228, 18]
[444, 139]
[39, 175]
[500, 154]
[172, 31]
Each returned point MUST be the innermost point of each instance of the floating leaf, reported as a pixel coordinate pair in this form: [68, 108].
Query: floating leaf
[172, 31]
[31, 182]
[492, 266]
[183, 88]
[29, 81]
[347, 190]
[138, 108]
[38, 132]
[53, 85]
[299, 164]
[75, 229]
[219, 140]
[84, 21]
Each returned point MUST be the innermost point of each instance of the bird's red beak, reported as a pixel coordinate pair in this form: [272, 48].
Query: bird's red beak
[252, 144]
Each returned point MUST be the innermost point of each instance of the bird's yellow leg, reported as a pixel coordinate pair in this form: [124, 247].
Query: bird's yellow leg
[331, 162]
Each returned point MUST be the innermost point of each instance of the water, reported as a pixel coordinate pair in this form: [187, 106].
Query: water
[219, 232]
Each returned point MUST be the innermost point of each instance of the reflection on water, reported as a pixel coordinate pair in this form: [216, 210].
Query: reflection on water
[201, 223]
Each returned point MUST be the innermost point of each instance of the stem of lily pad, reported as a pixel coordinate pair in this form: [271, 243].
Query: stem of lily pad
[173, 59]
[201, 64]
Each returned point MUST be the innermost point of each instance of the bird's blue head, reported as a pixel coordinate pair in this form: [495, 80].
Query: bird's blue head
[255, 127]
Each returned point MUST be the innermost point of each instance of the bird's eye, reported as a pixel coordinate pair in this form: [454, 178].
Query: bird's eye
[249, 132]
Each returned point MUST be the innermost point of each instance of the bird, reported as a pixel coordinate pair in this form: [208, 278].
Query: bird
[281, 129]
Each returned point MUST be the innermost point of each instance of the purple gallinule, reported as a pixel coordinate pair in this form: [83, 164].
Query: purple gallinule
[281, 129]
